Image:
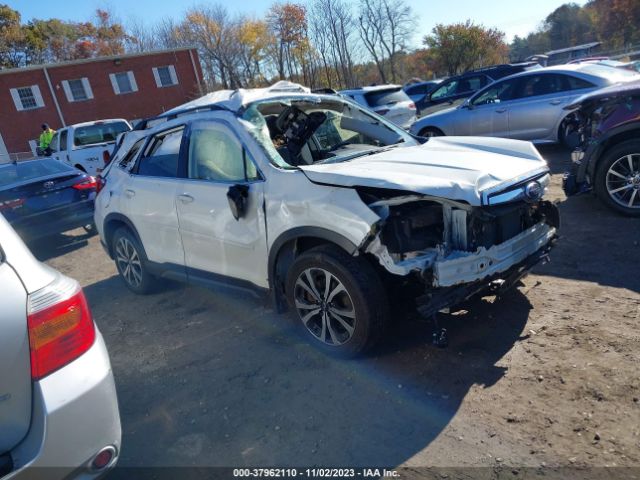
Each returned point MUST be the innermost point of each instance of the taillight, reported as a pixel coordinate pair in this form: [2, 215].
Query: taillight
[412, 106]
[60, 326]
[11, 204]
[382, 111]
[88, 184]
[100, 183]
[106, 157]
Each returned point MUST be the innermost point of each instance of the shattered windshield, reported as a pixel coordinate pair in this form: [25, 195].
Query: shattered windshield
[307, 131]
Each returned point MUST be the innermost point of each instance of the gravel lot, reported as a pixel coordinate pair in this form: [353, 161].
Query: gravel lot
[546, 377]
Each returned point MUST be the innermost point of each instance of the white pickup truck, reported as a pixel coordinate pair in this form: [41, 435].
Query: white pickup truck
[83, 145]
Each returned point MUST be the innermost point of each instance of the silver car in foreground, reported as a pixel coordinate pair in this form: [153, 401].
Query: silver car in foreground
[58, 408]
[525, 106]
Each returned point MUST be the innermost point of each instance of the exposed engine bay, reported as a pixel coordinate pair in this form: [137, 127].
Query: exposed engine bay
[422, 234]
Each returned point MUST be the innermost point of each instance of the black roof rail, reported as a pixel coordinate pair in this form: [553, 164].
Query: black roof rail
[328, 91]
[144, 124]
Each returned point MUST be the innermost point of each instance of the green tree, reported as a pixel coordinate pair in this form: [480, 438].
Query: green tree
[462, 46]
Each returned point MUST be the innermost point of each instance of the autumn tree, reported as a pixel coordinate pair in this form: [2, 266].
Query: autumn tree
[463, 46]
[288, 25]
[12, 38]
[386, 27]
[333, 28]
[617, 22]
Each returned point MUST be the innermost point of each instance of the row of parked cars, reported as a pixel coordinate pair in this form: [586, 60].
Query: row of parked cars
[528, 102]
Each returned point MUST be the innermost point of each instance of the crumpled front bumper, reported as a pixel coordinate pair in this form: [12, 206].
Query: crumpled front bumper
[466, 267]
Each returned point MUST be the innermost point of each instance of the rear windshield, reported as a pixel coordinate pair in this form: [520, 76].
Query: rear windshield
[99, 133]
[25, 171]
[378, 98]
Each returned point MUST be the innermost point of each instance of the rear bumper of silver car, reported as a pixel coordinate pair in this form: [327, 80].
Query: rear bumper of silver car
[75, 416]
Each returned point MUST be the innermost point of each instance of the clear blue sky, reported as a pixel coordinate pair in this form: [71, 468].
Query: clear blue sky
[511, 16]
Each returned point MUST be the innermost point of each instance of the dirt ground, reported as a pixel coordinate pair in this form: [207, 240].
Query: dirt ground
[545, 378]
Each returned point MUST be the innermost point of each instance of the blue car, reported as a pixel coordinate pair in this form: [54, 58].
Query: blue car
[43, 197]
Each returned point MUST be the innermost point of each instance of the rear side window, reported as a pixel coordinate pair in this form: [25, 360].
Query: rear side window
[63, 140]
[161, 156]
[537, 85]
[25, 171]
[379, 98]
[131, 155]
[576, 83]
[99, 133]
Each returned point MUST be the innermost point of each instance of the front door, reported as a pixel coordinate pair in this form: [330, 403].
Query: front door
[488, 113]
[215, 242]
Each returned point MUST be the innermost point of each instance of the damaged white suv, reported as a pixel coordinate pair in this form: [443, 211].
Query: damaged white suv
[334, 210]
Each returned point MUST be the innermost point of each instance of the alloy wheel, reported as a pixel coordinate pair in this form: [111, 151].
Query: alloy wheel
[324, 306]
[128, 262]
[623, 181]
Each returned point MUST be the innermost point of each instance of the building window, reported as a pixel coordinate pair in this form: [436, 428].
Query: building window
[77, 90]
[165, 76]
[27, 98]
[123, 82]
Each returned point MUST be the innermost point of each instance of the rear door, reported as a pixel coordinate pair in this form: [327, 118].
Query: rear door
[538, 103]
[15, 369]
[215, 242]
[148, 197]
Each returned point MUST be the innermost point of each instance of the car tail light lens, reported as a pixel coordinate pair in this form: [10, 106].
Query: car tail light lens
[412, 106]
[100, 183]
[60, 326]
[88, 184]
[382, 111]
[106, 157]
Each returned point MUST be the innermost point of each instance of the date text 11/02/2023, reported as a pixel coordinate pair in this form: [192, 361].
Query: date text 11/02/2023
[315, 472]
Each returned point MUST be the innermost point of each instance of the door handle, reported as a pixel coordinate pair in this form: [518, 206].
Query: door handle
[185, 198]
[501, 110]
[555, 102]
[129, 193]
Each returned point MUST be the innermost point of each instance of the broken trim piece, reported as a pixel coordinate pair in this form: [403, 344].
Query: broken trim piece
[465, 267]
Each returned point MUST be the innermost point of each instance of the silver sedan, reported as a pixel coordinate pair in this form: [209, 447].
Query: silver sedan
[525, 106]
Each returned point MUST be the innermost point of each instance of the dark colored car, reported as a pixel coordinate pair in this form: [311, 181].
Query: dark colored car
[419, 92]
[43, 197]
[607, 159]
[454, 90]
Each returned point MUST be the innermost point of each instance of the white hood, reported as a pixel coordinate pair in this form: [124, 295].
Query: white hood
[456, 168]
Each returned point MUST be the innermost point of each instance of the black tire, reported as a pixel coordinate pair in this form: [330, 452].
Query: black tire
[363, 295]
[143, 282]
[431, 132]
[611, 157]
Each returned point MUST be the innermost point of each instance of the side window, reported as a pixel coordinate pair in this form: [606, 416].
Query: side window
[537, 85]
[471, 84]
[576, 83]
[161, 156]
[445, 90]
[215, 154]
[496, 93]
[53, 144]
[63, 140]
[131, 154]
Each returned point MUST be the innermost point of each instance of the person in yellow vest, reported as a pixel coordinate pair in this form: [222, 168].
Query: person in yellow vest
[45, 139]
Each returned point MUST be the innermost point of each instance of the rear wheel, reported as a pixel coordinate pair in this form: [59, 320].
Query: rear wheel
[131, 262]
[338, 300]
[617, 179]
[431, 132]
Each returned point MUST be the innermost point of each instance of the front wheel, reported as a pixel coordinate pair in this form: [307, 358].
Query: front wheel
[431, 132]
[338, 300]
[617, 179]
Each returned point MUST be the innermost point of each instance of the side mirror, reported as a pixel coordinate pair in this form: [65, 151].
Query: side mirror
[237, 195]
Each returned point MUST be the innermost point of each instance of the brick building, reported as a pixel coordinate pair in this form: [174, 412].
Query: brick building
[131, 86]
